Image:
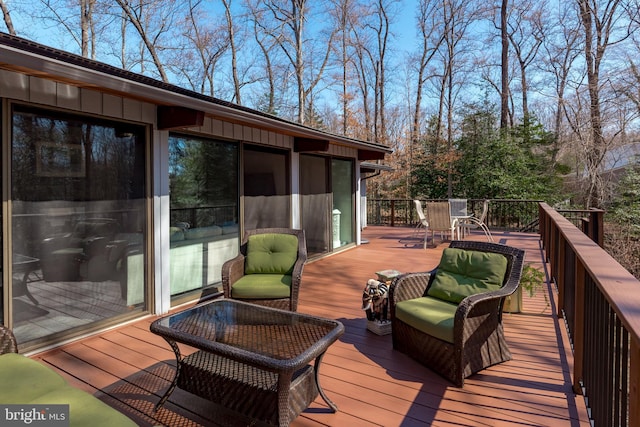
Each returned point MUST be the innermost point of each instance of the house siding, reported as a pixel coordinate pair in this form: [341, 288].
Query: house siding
[59, 95]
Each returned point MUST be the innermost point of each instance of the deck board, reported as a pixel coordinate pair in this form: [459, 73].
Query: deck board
[129, 367]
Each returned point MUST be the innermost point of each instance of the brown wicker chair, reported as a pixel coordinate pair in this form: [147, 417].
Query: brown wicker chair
[478, 335]
[234, 269]
[8, 342]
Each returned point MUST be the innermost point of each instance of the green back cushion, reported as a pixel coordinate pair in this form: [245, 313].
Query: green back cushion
[462, 273]
[271, 253]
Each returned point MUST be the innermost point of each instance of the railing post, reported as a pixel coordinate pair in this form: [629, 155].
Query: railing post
[393, 213]
[578, 333]
[634, 383]
[541, 224]
[560, 274]
[596, 226]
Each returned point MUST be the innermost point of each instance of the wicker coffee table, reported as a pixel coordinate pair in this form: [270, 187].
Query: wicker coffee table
[251, 359]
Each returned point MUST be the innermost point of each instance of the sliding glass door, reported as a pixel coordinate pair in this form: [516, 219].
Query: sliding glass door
[343, 191]
[267, 193]
[315, 201]
[326, 202]
[78, 222]
[203, 188]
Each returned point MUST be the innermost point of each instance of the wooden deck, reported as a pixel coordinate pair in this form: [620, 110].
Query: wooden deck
[129, 367]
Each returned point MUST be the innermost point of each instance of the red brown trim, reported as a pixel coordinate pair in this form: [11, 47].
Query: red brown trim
[170, 117]
[310, 144]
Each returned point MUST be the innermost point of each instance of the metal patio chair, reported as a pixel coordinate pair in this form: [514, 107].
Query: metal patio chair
[474, 223]
[439, 218]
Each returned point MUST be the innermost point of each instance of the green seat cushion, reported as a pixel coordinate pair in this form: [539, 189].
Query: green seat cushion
[258, 286]
[69, 251]
[462, 273]
[84, 408]
[430, 315]
[271, 253]
[27, 379]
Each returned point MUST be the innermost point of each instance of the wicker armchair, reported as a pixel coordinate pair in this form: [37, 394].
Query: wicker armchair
[476, 339]
[8, 342]
[268, 286]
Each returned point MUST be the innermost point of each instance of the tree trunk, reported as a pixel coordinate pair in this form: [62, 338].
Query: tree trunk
[232, 44]
[7, 18]
[383, 36]
[593, 58]
[85, 16]
[504, 94]
[149, 44]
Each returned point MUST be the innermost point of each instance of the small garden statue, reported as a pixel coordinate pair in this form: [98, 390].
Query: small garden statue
[375, 300]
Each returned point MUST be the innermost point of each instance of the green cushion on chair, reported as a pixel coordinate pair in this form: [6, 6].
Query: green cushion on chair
[26, 381]
[462, 273]
[84, 408]
[271, 253]
[429, 315]
[259, 286]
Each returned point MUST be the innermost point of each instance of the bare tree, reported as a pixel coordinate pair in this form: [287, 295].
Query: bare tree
[205, 41]
[234, 53]
[267, 102]
[431, 37]
[364, 64]
[87, 27]
[599, 21]
[77, 20]
[152, 19]
[343, 14]
[382, 32]
[562, 50]
[123, 40]
[526, 33]
[288, 31]
[7, 18]
[629, 83]
[372, 48]
[457, 16]
[504, 65]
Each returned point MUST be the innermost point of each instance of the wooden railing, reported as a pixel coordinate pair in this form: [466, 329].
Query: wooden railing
[503, 214]
[600, 303]
[203, 216]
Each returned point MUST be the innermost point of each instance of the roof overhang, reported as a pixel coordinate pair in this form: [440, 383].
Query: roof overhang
[366, 167]
[24, 56]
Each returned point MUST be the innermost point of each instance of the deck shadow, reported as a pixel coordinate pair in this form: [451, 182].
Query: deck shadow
[137, 395]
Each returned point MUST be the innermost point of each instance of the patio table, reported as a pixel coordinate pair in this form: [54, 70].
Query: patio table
[252, 359]
[24, 265]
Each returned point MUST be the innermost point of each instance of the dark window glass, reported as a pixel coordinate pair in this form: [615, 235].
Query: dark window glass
[203, 186]
[78, 221]
[267, 195]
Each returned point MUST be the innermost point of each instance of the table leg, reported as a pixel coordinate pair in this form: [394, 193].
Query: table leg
[284, 383]
[333, 406]
[172, 387]
[26, 288]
